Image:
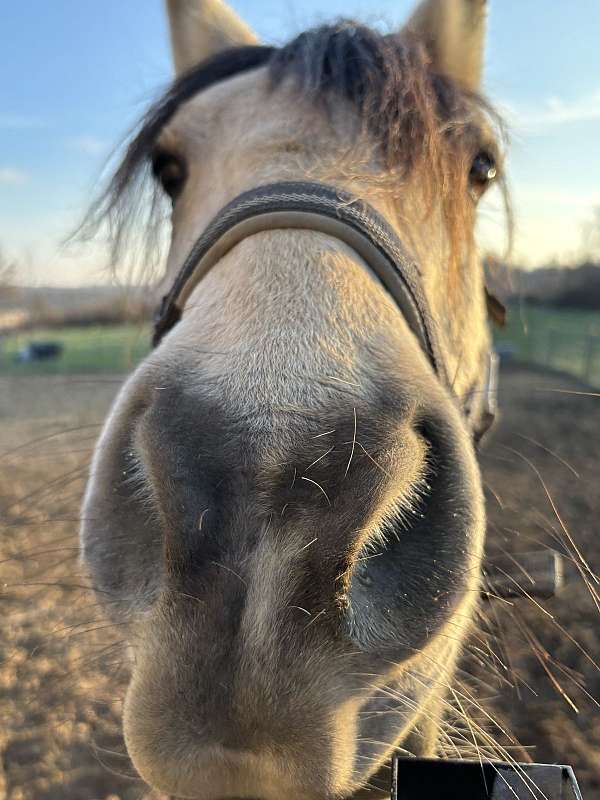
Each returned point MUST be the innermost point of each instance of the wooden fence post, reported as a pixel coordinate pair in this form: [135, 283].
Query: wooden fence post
[588, 357]
[551, 339]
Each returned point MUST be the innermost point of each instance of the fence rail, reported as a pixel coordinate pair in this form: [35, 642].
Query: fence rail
[568, 341]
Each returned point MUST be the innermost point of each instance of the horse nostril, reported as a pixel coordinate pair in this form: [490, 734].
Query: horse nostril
[410, 580]
[432, 433]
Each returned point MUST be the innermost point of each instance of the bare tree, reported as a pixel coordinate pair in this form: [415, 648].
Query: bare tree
[8, 273]
[591, 237]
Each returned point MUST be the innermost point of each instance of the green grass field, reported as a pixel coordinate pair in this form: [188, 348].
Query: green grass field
[107, 348]
[564, 340]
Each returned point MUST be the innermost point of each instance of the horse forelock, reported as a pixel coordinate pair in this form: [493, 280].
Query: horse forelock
[419, 121]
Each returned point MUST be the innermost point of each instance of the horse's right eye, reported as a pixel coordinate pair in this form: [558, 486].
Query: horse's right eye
[483, 172]
[170, 172]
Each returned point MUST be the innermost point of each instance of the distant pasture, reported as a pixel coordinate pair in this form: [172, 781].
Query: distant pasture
[564, 340]
[89, 349]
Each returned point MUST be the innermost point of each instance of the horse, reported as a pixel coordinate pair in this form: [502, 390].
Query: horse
[284, 510]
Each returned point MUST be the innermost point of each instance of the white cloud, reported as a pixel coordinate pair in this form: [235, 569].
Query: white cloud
[555, 111]
[88, 145]
[12, 177]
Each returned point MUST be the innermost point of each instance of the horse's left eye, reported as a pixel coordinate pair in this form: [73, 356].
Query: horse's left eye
[483, 171]
[170, 172]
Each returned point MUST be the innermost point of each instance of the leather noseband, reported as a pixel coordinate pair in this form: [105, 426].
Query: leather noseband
[317, 207]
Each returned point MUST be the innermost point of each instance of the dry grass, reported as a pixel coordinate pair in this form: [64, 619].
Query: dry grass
[542, 475]
[60, 680]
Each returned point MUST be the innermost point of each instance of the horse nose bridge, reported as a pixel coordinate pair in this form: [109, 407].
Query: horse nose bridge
[222, 479]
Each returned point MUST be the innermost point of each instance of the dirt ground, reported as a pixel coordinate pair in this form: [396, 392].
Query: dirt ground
[61, 676]
[541, 477]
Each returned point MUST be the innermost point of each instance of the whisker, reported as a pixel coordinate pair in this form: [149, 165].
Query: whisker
[318, 485]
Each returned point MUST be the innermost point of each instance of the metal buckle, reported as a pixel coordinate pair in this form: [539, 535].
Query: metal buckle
[489, 403]
[539, 574]
[417, 778]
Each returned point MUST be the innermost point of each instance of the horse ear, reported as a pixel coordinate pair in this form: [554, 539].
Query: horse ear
[201, 28]
[454, 33]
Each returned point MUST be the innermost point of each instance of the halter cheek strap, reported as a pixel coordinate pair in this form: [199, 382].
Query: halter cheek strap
[315, 207]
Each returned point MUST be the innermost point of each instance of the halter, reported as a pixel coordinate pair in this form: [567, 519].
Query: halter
[321, 208]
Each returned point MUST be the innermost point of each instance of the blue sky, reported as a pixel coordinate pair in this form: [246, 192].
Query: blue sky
[75, 74]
